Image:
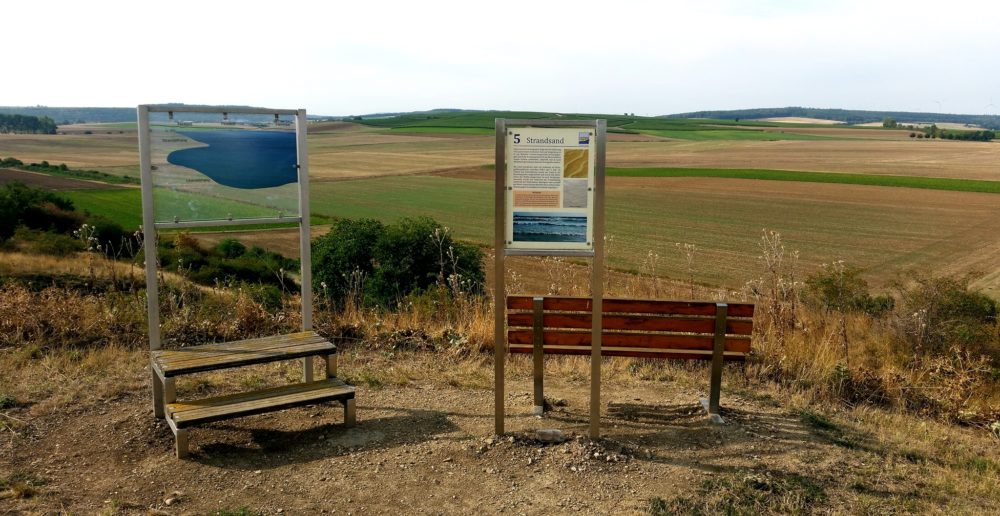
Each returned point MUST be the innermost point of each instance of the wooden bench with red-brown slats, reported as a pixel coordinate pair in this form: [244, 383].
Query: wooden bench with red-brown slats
[640, 328]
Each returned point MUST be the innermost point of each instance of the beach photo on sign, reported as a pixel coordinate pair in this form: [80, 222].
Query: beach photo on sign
[549, 227]
[575, 193]
[575, 163]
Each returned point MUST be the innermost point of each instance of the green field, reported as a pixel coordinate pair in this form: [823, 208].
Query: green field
[124, 206]
[930, 183]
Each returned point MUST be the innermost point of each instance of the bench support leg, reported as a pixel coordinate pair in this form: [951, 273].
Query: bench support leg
[715, 383]
[331, 366]
[169, 391]
[307, 369]
[538, 367]
[350, 416]
[181, 438]
[157, 394]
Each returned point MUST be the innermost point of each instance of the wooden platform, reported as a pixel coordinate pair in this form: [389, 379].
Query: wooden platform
[169, 364]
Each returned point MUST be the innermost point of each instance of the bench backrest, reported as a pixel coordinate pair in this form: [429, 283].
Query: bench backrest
[632, 327]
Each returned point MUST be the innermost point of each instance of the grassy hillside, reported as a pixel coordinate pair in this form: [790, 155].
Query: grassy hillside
[483, 122]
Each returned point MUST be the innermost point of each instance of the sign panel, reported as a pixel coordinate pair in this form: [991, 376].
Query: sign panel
[210, 166]
[550, 188]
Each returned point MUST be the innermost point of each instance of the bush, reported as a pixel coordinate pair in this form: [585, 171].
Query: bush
[386, 263]
[941, 312]
[231, 248]
[21, 205]
[841, 288]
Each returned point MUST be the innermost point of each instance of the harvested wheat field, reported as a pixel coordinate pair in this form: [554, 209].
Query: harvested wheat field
[933, 158]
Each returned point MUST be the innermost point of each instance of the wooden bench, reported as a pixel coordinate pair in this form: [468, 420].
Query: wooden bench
[637, 328]
[169, 364]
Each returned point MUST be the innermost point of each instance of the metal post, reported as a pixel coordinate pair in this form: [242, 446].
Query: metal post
[149, 247]
[597, 283]
[718, 351]
[538, 353]
[305, 247]
[499, 295]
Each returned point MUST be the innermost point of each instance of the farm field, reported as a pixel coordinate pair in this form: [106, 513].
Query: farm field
[724, 219]
[388, 172]
[342, 150]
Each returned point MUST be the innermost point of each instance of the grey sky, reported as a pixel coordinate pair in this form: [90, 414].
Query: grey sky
[609, 57]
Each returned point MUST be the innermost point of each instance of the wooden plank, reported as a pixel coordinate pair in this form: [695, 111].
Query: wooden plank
[243, 342]
[672, 354]
[583, 304]
[178, 358]
[185, 414]
[240, 345]
[245, 358]
[633, 340]
[633, 322]
[189, 354]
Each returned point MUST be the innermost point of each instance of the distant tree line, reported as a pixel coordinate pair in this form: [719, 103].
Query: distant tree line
[936, 132]
[25, 124]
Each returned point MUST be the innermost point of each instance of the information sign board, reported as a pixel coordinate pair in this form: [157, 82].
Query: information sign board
[550, 186]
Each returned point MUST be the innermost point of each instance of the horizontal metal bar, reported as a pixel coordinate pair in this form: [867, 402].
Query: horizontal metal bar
[583, 253]
[227, 222]
[542, 122]
[161, 108]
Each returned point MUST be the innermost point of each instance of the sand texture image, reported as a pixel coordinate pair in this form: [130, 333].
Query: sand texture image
[575, 163]
[575, 193]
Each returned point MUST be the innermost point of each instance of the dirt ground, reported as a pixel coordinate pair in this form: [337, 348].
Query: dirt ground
[430, 449]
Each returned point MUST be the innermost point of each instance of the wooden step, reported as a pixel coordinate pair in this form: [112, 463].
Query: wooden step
[210, 357]
[189, 413]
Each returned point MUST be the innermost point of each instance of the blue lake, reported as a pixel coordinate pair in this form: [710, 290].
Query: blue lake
[240, 158]
[545, 227]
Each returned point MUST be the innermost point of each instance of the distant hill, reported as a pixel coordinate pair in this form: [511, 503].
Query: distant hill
[850, 116]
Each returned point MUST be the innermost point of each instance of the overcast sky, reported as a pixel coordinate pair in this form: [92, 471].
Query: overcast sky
[613, 56]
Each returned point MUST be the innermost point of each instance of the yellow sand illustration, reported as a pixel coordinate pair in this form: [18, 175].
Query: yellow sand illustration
[575, 163]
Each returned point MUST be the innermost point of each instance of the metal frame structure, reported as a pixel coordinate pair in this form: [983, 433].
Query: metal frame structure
[150, 226]
[501, 252]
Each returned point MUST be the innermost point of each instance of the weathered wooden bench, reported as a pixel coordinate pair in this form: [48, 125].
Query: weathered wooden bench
[638, 328]
[167, 365]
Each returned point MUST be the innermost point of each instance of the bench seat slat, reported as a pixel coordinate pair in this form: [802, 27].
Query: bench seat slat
[190, 413]
[186, 355]
[632, 322]
[688, 354]
[240, 353]
[629, 340]
[612, 305]
[238, 344]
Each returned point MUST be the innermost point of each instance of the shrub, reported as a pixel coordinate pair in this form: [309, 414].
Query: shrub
[231, 248]
[941, 312]
[34, 208]
[841, 288]
[390, 262]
